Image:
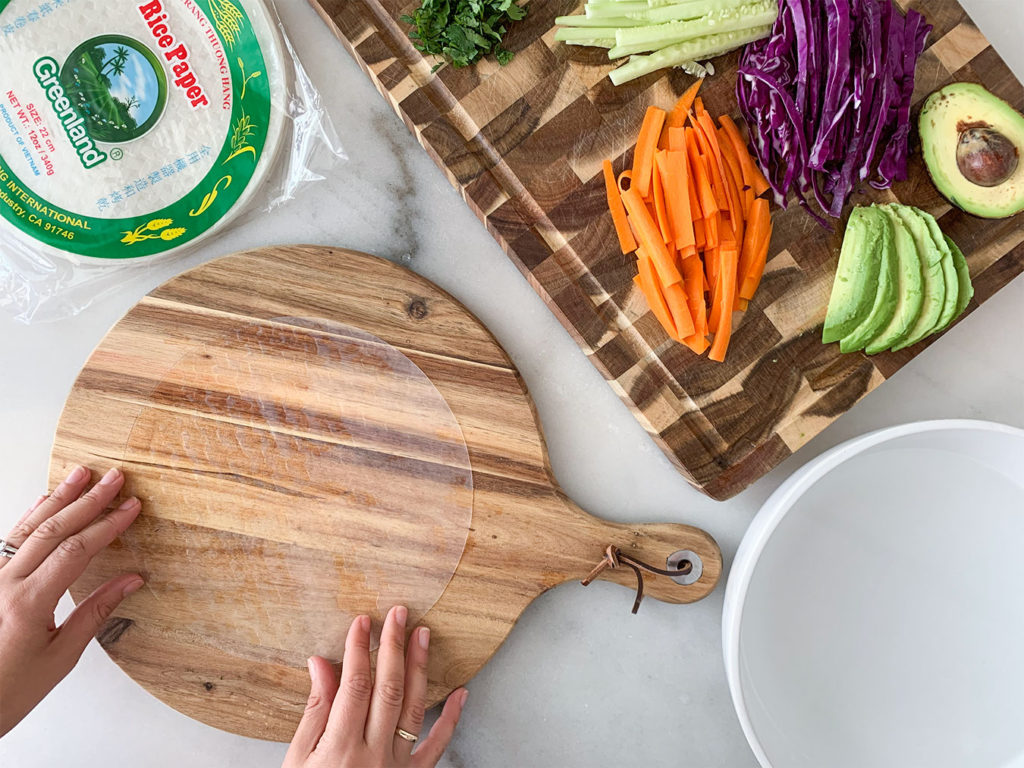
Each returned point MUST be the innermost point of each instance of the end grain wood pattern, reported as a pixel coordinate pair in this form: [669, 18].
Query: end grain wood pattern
[275, 482]
[523, 144]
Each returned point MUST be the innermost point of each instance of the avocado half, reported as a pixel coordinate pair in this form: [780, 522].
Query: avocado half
[972, 143]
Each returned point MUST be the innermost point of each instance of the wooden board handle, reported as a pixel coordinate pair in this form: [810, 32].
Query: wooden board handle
[654, 544]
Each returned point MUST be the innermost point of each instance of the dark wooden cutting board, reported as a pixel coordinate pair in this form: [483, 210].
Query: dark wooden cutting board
[317, 434]
[524, 143]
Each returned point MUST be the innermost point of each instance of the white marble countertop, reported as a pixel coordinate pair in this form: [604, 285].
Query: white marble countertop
[579, 682]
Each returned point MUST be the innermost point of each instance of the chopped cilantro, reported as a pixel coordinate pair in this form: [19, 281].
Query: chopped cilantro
[463, 30]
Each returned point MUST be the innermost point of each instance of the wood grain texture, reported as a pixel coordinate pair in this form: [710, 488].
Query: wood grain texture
[294, 475]
[523, 144]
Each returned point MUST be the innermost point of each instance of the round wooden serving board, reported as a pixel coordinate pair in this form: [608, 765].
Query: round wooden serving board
[314, 434]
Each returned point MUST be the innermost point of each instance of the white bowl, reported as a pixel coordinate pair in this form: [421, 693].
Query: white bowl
[874, 615]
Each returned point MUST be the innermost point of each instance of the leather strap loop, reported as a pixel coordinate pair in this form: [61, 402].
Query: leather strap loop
[614, 558]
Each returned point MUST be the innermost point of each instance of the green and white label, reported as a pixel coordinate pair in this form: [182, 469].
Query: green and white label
[127, 128]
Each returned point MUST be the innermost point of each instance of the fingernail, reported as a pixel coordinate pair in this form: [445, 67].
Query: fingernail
[312, 668]
[132, 586]
[424, 638]
[128, 504]
[400, 613]
[111, 477]
[77, 475]
[465, 695]
[364, 623]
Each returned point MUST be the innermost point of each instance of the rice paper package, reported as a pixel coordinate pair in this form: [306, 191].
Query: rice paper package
[133, 130]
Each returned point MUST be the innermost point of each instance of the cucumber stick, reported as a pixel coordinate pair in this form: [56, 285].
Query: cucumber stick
[696, 7]
[674, 33]
[631, 40]
[661, 14]
[618, 51]
[583, 21]
[575, 34]
[613, 10]
[681, 53]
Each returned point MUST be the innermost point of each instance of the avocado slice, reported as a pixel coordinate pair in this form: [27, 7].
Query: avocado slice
[972, 142]
[886, 294]
[931, 273]
[910, 291]
[963, 274]
[948, 270]
[856, 281]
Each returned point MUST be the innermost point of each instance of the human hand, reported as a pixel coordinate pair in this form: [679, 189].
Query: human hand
[356, 724]
[56, 539]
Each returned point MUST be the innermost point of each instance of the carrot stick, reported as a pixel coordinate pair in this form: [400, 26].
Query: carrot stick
[663, 138]
[660, 206]
[714, 301]
[751, 172]
[759, 228]
[708, 140]
[697, 342]
[626, 241]
[652, 292]
[753, 278]
[748, 200]
[708, 202]
[729, 153]
[726, 299]
[673, 173]
[748, 252]
[693, 278]
[646, 144]
[649, 236]
[675, 297]
[695, 209]
[741, 304]
[734, 190]
[698, 105]
[713, 260]
[712, 231]
[711, 272]
[698, 232]
[731, 160]
[753, 235]
[677, 117]
[676, 139]
[735, 181]
[714, 175]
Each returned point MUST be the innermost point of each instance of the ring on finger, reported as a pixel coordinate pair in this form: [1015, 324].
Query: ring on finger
[401, 733]
[7, 550]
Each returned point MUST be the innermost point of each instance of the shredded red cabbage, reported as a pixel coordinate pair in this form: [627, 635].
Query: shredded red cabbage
[827, 99]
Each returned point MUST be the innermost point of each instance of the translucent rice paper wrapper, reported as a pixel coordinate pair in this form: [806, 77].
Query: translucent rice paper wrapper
[296, 475]
[134, 130]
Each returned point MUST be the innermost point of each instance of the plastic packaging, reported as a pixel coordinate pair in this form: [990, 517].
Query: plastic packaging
[296, 475]
[134, 130]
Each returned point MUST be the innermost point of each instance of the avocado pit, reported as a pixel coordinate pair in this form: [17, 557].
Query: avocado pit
[984, 156]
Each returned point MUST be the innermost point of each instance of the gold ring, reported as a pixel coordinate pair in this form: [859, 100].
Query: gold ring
[410, 737]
